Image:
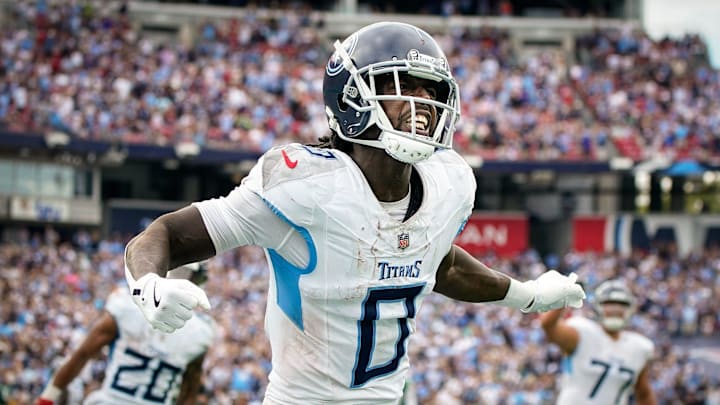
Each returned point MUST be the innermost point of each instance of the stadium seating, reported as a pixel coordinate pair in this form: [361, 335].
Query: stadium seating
[465, 352]
[251, 84]
[87, 75]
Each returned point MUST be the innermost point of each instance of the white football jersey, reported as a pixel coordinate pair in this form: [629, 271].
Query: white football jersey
[338, 323]
[145, 366]
[602, 371]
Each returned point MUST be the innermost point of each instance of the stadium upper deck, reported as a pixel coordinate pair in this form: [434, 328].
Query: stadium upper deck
[252, 81]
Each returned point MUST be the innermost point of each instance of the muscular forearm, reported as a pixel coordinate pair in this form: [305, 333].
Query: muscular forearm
[102, 333]
[644, 394]
[646, 400]
[191, 383]
[170, 241]
[69, 371]
[485, 286]
[463, 278]
[190, 389]
[188, 399]
[150, 250]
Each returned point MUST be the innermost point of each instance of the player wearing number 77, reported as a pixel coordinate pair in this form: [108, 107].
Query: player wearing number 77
[604, 362]
[144, 366]
[357, 229]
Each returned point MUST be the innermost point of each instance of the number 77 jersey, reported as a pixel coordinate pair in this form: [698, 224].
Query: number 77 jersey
[339, 326]
[602, 370]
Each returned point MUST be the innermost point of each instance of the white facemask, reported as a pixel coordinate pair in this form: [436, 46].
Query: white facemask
[613, 323]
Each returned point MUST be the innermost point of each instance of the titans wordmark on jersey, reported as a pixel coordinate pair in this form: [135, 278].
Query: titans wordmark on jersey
[339, 324]
[145, 366]
[602, 370]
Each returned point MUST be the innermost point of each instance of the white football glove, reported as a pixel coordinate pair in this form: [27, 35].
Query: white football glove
[553, 291]
[166, 303]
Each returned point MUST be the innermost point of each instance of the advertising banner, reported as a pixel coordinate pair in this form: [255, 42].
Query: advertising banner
[39, 209]
[625, 232]
[503, 234]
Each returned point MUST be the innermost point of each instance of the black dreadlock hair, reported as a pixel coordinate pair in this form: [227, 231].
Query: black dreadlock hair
[333, 141]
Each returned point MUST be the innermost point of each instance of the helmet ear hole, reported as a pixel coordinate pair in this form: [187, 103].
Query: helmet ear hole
[342, 106]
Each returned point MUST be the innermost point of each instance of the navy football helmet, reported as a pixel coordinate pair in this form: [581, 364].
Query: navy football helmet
[614, 291]
[350, 88]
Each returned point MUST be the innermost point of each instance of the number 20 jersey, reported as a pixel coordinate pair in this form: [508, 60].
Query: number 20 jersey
[339, 325]
[602, 370]
[145, 366]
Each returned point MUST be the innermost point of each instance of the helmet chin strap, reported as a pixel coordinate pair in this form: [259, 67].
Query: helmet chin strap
[405, 150]
[398, 147]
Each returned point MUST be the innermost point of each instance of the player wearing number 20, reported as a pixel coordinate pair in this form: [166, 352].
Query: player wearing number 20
[144, 366]
[358, 229]
[604, 363]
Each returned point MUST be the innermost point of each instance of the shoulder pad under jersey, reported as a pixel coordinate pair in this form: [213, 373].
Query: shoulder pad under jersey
[645, 345]
[120, 305]
[295, 161]
[449, 168]
[202, 328]
[454, 164]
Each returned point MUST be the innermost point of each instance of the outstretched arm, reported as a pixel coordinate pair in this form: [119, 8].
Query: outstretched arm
[558, 331]
[464, 278]
[101, 334]
[170, 241]
[644, 394]
[461, 276]
[191, 382]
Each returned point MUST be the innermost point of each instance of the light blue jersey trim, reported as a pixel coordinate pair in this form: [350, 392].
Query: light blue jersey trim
[287, 275]
[111, 346]
[462, 226]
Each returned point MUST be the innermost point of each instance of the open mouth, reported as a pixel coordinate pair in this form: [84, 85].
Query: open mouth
[422, 123]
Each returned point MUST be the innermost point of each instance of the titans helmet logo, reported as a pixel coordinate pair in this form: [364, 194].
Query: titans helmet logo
[335, 64]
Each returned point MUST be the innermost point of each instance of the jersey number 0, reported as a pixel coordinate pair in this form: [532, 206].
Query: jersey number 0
[362, 372]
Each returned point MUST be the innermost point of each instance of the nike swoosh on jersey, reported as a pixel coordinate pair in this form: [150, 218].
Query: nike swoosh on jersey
[290, 163]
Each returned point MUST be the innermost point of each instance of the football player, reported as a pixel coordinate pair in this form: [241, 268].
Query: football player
[357, 229]
[605, 363]
[145, 366]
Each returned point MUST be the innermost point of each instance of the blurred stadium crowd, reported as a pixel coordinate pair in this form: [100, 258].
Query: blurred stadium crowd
[461, 354]
[250, 84]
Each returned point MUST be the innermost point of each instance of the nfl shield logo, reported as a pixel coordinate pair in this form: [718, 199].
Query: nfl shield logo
[403, 240]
